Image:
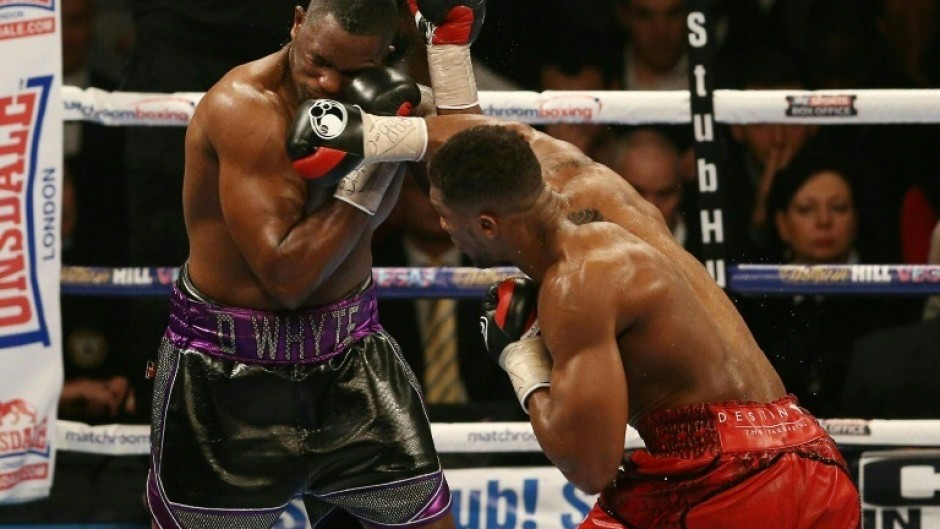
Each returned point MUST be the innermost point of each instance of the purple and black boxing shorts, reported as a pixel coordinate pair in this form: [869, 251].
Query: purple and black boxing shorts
[252, 408]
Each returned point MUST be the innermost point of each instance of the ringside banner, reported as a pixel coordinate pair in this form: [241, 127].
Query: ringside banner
[498, 498]
[900, 489]
[30, 204]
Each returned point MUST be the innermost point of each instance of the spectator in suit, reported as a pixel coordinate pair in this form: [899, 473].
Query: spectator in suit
[894, 372]
[420, 241]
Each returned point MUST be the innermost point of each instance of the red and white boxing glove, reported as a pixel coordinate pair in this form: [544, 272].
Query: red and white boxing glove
[449, 28]
[510, 331]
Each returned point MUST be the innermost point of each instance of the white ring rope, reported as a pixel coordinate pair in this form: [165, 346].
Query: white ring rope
[487, 437]
[620, 107]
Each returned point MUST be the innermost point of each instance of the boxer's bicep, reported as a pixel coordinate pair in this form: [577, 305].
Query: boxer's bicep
[583, 418]
[260, 196]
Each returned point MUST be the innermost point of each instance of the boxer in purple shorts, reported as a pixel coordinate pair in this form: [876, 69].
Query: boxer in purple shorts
[348, 429]
[275, 379]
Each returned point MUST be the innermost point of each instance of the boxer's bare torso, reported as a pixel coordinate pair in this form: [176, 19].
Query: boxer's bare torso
[253, 240]
[680, 337]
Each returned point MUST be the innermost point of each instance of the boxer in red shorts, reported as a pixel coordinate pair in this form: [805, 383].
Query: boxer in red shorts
[630, 329]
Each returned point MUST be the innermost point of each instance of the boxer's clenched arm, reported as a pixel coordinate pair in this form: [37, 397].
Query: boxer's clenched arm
[262, 201]
[581, 420]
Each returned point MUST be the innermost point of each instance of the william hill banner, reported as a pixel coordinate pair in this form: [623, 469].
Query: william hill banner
[30, 214]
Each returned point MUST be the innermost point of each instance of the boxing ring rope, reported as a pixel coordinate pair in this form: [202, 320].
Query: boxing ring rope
[465, 282]
[488, 437]
[608, 107]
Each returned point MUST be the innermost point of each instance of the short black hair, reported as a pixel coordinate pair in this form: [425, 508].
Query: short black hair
[808, 163]
[360, 17]
[486, 166]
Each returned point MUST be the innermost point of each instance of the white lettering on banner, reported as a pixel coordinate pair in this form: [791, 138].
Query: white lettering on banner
[900, 489]
[131, 276]
[919, 481]
[699, 73]
[716, 269]
[708, 152]
[707, 176]
[521, 498]
[871, 274]
[712, 225]
[698, 36]
[900, 518]
[703, 128]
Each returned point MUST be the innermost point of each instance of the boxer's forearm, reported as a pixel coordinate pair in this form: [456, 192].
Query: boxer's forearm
[568, 443]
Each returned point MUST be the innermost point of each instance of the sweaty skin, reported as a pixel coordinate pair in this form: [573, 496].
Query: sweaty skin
[260, 236]
[616, 289]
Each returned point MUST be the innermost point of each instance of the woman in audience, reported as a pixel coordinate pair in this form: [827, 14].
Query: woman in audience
[815, 221]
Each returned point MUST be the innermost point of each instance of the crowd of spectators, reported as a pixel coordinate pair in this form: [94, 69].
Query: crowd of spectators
[791, 196]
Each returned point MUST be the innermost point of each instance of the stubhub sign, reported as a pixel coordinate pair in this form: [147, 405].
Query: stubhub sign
[500, 498]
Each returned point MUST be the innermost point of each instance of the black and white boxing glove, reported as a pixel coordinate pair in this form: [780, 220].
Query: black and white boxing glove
[325, 141]
[328, 140]
[382, 91]
[449, 28]
[510, 331]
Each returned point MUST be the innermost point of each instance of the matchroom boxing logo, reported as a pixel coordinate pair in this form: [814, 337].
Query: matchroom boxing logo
[22, 320]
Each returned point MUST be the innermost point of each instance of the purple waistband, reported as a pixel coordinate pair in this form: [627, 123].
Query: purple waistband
[267, 337]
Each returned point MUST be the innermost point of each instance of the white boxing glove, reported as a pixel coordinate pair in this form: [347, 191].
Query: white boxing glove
[365, 186]
[529, 365]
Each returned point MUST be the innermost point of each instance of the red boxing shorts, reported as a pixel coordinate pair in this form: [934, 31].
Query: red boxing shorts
[731, 465]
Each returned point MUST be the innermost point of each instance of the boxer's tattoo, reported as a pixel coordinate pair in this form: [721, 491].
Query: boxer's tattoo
[568, 163]
[585, 216]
